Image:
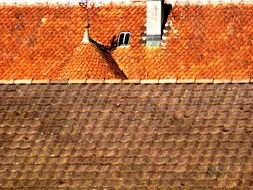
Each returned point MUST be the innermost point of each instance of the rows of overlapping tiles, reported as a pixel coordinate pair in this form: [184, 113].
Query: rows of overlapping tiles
[202, 41]
[126, 135]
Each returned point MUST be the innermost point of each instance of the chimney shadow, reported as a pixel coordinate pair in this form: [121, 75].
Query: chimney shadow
[166, 12]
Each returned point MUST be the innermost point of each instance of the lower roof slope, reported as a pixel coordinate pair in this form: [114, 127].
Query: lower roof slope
[190, 136]
[202, 41]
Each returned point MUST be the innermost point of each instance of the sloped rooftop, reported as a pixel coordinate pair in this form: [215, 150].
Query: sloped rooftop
[208, 41]
[91, 60]
[190, 136]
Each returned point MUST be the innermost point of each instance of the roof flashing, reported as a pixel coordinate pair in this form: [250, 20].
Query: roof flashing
[86, 37]
[153, 40]
[129, 81]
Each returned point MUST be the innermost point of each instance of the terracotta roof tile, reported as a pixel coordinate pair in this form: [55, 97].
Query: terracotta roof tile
[91, 60]
[202, 41]
[150, 136]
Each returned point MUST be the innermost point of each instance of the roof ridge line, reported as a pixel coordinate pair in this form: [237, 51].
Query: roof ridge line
[70, 3]
[127, 3]
[40, 4]
[126, 81]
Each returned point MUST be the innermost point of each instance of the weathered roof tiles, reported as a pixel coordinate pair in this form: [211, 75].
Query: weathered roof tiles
[143, 136]
[202, 41]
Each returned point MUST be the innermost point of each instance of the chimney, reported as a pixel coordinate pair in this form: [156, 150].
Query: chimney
[154, 23]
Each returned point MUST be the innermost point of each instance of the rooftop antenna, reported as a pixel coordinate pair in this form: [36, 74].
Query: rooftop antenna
[84, 5]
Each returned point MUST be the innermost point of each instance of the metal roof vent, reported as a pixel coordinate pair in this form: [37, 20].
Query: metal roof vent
[124, 39]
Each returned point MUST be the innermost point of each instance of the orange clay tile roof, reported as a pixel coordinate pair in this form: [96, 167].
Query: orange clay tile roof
[209, 41]
[91, 60]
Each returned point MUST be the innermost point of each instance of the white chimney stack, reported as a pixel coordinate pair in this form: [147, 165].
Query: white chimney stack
[154, 22]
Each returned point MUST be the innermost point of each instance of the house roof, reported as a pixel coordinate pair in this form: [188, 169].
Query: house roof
[91, 60]
[195, 136]
[203, 41]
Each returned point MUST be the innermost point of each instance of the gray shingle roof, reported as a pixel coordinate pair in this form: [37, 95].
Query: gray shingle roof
[126, 135]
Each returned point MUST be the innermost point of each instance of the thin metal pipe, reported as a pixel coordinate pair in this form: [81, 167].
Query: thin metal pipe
[84, 5]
